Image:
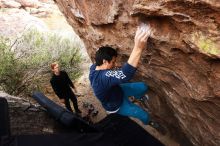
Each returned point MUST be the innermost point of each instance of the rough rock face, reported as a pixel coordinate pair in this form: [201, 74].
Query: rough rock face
[26, 118]
[38, 8]
[181, 63]
[17, 16]
[19, 21]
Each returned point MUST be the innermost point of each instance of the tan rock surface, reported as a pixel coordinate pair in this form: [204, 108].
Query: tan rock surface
[181, 64]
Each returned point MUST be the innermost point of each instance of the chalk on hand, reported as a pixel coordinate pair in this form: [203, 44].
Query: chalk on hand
[145, 27]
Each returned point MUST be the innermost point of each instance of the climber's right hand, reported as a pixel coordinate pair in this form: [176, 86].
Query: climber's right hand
[141, 36]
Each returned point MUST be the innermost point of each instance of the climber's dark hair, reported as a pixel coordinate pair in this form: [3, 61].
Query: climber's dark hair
[105, 53]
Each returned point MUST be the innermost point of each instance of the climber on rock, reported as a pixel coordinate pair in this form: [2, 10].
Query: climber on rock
[111, 86]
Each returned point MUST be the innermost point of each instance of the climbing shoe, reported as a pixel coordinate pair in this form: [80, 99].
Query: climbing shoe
[144, 100]
[154, 124]
[158, 127]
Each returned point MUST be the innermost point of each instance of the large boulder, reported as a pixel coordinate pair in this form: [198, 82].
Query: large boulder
[26, 117]
[181, 64]
[10, 4]
[15, 21]
[29, 3]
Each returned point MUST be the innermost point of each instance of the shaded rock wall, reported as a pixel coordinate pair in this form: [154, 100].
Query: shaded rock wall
[27, 118]
[181, 63]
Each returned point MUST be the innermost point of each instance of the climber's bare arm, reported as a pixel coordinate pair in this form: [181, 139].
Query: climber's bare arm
[141, 37]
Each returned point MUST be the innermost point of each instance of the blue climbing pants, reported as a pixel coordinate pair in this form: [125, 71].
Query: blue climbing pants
[137, 89]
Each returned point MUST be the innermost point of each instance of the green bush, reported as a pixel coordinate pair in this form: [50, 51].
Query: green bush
[8, 64]
[25, 65]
